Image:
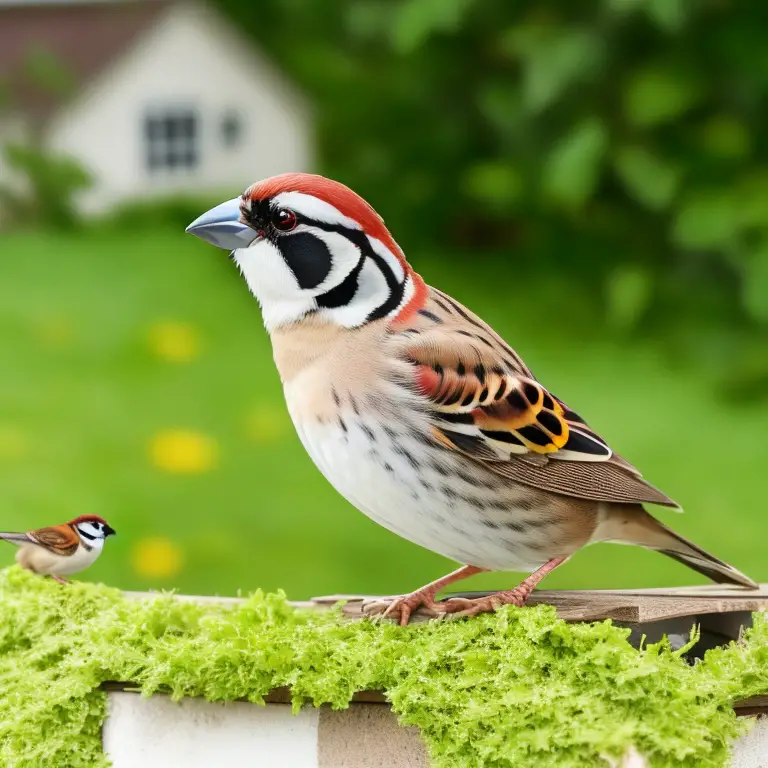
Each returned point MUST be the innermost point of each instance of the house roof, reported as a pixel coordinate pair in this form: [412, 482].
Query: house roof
[84, 36]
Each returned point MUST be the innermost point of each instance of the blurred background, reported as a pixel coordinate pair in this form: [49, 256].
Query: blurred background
[591, 176]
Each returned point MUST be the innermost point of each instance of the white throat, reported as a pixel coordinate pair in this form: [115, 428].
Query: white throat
[274, 287]
[95, 543]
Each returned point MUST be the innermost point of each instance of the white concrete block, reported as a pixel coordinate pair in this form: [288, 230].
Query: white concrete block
[158, 733]
[751, 750]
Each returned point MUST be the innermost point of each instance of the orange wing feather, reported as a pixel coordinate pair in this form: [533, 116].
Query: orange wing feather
[61, 539]
[486, 403]
[504, 407]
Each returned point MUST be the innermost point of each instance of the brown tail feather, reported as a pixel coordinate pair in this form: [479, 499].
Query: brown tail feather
[633, 525]
[713, 568]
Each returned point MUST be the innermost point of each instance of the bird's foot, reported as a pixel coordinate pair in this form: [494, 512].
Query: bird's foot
[59, 579]
[402, 606]
[461, 607]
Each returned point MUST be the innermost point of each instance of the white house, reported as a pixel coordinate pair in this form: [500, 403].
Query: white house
[168, 97]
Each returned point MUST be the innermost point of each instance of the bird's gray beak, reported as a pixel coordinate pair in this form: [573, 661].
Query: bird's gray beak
[221, 226]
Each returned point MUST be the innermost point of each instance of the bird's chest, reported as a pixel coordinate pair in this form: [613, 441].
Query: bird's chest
[385, 463]
[82, 559]
[350, 415]
[371, 438]
[43, 560]
[380, 467]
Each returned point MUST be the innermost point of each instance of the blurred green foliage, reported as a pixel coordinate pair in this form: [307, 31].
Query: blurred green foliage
[168, 212]
[44, 183]
[45, 188]
[617, 143]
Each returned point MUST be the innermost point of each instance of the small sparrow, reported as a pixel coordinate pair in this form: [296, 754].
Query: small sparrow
[418, 412]
[61, 550]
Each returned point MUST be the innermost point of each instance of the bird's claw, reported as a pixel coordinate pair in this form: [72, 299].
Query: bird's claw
[462, 607]
[402, 606]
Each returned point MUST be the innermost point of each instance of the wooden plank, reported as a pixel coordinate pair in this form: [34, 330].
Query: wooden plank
[635, 606]
[755, 705]
[632, 606]
[700, 590]
[280, 695]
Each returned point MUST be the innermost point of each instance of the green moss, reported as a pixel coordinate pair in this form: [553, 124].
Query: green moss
[520, 688]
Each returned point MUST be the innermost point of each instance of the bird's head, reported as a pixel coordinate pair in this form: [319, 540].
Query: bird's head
[92, 529]
[308, 245]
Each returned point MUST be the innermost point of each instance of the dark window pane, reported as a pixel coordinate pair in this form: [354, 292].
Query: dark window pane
[231, 130]
[171, 128]
[187, 127]
[151, 128]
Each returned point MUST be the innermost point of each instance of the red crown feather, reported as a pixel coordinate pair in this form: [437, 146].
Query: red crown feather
[88, 519]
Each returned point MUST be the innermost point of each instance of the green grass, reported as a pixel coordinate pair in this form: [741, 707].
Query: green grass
[82, 394]
[517, 688]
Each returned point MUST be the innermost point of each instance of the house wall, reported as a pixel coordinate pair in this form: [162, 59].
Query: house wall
[190, 59]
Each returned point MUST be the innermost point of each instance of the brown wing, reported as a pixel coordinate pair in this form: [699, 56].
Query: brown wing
[61, 539]
[486, 403]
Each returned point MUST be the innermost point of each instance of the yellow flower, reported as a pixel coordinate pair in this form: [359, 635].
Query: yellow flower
[174, 341]
[157, 557]
[266, 423]
[13, 443]
[180, 451]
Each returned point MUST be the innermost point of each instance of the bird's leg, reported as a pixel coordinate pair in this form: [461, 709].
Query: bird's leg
[424, 597]
[59, 579]
[462, 606]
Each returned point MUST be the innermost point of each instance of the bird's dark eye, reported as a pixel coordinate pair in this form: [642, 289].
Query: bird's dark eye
[284, 220]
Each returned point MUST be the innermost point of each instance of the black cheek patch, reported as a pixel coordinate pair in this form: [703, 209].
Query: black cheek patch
[308, 258]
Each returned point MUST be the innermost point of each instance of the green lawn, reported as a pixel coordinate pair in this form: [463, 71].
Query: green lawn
[84, 392]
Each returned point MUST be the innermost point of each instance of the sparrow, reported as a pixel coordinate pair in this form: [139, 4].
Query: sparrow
[61, 550]
[418, 412]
